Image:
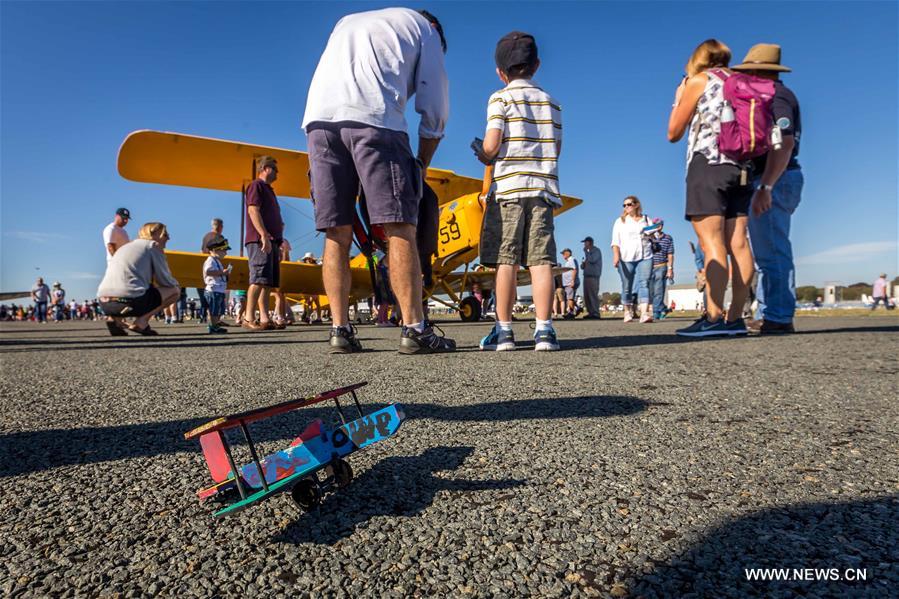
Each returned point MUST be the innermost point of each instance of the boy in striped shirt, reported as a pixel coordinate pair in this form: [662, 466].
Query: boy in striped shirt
[523, 141]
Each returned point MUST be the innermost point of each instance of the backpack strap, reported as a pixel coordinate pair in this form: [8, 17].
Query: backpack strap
[720, 74]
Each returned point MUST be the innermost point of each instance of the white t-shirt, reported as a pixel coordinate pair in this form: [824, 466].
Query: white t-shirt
[628, 236]
[214, 283]
[373, 63]
[115, 235]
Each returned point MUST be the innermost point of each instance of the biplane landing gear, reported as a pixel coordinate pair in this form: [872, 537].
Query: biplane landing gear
[470, 309]
[307, 494]
[342, 472]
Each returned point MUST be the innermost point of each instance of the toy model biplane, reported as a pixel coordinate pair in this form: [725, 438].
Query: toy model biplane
[192, 161]
[314, 463]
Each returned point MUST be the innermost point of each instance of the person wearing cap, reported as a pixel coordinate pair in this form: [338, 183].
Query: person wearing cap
[138, 282]
[778, 180]
[217, 226]
[522, 143]
[58, 301]
[662, 271]
[591, 266]
[356, 134]
[114, 234]
[570, 282]
[262, 238]
[40, 295]
[215, 275]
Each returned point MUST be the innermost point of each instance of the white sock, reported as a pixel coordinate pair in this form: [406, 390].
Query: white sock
[504, 326]
[418, 326]
[544, 325]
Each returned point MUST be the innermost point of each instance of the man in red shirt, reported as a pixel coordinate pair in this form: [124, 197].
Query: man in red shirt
[263, 236]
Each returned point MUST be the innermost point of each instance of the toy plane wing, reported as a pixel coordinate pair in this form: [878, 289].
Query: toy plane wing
[194, 161]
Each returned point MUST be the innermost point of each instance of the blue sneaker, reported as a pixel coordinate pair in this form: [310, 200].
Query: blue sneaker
[545, 340]
[737, 327]
[704, 328]
[498, 340]
[489, 341]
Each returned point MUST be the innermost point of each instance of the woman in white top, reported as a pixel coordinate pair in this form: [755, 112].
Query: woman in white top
[632, 256]
[718, 190]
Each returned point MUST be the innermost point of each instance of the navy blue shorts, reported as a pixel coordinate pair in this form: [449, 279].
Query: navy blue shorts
[216, 302]
[344, 156]
[265, 269]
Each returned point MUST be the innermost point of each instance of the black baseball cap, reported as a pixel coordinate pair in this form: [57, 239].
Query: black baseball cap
[516, 48]
[567, 250]
[218, 243]
[123, 212]
[590, 239]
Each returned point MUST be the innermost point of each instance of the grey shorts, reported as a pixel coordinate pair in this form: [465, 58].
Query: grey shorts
[569, 293]
[265, 269]
[345, 156]
[518, 231]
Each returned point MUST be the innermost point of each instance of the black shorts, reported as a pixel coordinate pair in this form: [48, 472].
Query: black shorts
[344, 156]
[715, 190]
[134, 306]
[265, 269]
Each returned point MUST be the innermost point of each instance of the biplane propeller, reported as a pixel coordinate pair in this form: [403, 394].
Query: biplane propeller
[192, 161]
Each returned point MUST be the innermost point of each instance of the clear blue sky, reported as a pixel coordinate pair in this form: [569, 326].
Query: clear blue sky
[77, 77]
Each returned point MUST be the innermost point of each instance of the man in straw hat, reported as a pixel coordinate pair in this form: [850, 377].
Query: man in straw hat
[778, 188]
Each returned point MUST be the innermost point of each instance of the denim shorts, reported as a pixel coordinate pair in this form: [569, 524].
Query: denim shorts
[344, 156]
[216, 302]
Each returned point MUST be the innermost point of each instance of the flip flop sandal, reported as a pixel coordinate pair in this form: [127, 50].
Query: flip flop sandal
[146, 331]
[115, 330]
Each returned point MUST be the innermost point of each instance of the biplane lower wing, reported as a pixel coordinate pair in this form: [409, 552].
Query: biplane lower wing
[486, 278]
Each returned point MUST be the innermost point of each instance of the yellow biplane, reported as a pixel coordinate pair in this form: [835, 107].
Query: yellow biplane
[192, 161]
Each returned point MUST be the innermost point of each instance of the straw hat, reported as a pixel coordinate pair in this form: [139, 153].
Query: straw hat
[762, 57]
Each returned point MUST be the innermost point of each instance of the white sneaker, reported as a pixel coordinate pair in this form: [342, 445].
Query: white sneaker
[646, 317]
[628, 315]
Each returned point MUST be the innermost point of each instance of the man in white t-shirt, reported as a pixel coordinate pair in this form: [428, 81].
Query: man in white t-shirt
[115, 235]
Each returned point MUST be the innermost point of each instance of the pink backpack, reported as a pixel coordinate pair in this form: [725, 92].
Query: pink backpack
[747, 117]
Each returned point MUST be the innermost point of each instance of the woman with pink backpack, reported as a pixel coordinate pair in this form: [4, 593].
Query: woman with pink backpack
[728, 119]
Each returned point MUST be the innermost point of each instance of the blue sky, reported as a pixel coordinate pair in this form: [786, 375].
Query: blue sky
[77, 77]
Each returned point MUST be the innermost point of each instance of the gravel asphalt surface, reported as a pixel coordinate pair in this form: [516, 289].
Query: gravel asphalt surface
[632, 463]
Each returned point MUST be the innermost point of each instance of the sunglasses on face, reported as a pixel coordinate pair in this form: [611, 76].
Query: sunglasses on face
[628, 205]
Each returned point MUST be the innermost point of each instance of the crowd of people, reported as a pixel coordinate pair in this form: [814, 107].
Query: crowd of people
[743, 183]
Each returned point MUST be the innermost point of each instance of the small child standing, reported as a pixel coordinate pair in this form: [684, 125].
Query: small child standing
[215, 275]
[523, 142]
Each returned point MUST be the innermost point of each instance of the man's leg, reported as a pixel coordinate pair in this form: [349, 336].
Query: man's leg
[204, 305]
[591, 295]
[336, 271]
[405, 271]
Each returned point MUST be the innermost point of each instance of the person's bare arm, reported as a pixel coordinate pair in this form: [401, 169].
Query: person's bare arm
[616, 256]
[427, 147]
[493, 140]
[774, 167]
[671, 266]
[685, 100]
[111, 248]
[255, 215]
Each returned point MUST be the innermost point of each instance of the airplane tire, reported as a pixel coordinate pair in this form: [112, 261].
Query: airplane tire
[307, 494]
[343, 473]
[470, 309]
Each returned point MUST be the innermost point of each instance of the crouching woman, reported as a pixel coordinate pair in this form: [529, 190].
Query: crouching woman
[138, 282]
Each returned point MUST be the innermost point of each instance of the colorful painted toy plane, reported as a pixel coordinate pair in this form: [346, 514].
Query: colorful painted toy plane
[191, 161]
[314, 463]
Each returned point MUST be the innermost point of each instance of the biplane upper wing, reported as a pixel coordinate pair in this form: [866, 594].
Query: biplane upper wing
[234, 420]
[194, 161]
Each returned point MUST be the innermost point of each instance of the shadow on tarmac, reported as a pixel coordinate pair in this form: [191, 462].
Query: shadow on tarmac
[35, 451]
[395, 486]
[823, 536]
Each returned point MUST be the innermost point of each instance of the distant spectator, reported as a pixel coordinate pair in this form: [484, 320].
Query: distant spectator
[217, 227]
[263, 236]
[879, 292]
[570, 282]
[592, 269]
[632, 256]
[58, 300]
[40, 295]
[115, 235]
[138, 282]
[662, 267]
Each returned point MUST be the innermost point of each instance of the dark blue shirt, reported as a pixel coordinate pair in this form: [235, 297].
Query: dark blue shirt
[662, 247]
[786, 116]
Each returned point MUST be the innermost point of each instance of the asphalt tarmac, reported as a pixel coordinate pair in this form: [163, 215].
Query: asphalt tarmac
[632, 463]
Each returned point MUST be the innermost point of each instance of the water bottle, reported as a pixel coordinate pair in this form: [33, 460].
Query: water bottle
[727, 112]
[777, 138]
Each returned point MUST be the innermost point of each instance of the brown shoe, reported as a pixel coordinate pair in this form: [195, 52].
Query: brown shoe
[253, 326]
[769, 327]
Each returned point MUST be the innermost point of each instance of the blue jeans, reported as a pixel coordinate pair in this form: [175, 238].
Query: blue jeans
[40, 311]
[658, 279]
[204, 306]
[215, 300]
[635, 272]
[769, 235]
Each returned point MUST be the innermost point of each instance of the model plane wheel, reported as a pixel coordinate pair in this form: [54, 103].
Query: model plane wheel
[342, 471]
[470, 309]
[307, 494]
